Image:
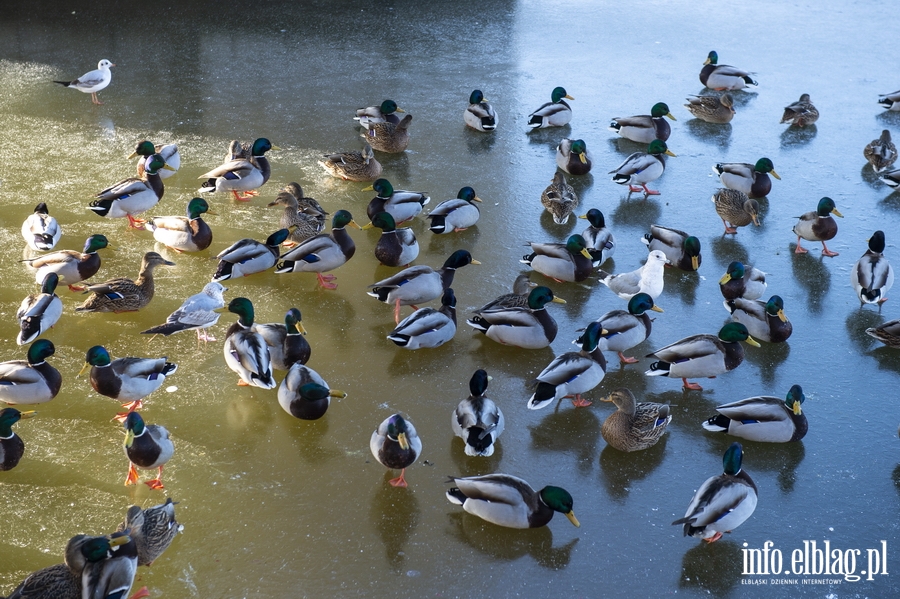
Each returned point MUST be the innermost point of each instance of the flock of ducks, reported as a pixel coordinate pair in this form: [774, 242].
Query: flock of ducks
[253, 350]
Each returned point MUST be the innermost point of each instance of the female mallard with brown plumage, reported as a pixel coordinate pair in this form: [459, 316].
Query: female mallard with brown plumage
[735, 209]
[355, 165]
[712, 109]
[881, 153]
[391, 138]
[559, 198]
[125, 295]
[801, 113]
[634, 426]
[302, 223]
[152, 529]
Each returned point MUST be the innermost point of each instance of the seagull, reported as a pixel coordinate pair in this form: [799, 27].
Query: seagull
[197, 312]
[92, 81]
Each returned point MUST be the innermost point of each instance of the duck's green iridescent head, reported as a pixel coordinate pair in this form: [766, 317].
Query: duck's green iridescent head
[390, 107]
[313, 392]
[591, 337]
[691, 247]
[143, 148]
[97, 356]
[398, 431]
[384, 221]
[876, 242]
[94, 243]
[661, 109]
[343, 218]
[382, 187]
[580, 148]
[576, 244]
[734, 332]
[794, 398]
[712, 58]
[775, 307]
[10, 416]
[153, 164]
[478, 383]
[468, 194]
[292, 322]
[243, 307]
[658, 146]
[40, 350]
[559, 500]
[559, 93]
[277, 238]
[134, 427]
[732, 459]
[640, 303]
[48, 285]
[826, 206]
[541, 296]
[460, 258]
[261, 146]
[98, 548]
[476, 97]
[764, 165]
[595, 217]
[735, 271]
[196, 207]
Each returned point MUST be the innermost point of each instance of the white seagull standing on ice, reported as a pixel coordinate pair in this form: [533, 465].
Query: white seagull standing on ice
[93, 81]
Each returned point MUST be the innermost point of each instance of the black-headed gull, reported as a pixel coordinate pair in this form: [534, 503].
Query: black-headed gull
[92, 81]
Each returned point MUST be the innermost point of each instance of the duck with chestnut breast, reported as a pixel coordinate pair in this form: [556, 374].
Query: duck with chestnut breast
[641, 168]
[126, 379]
[39, 311]
[391, 138]
[245, 350]
[40, 230]
[196, 312]
[559, 198]
[401, 204]
[152, 529]
[386, 112]
[125, 295]
[571, 374]
[529, 327]
[712, 109]
[183, 233]
[800, 113]
[872, 276]
[30, 381]
[395, 247]
[646, 127]
[427, 327]
[287, 342]
[735, 209]
[133, 196]
[599, 240]
[681, 250]
[722, 76]
[304, 394]
[624, 329]
[458, 214]
[477, 420]
[634, 426]
[702, 355]
[881, 153]
[818, 226]
[419, 284]
[752, 179]
[147, 446]
[723, 502]
[355, 165]
[247, 257]
[244, 174]
[554, 113]
[742, 281]
[322, 253]
[169, 152]
[573, 157]
[570, 261]
[12, 448]
[509, 501]
[302, 223]
[765, 321]
[647, 279]
[763, 418]
[479, 114]
[522, 286]
[70, 266]
[396, 445]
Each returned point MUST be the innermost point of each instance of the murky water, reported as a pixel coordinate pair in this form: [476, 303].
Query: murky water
[277, 507]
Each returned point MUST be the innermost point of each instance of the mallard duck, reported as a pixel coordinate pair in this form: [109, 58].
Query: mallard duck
[427, 327]
[113, 577]
[647, 279]
[196, 313]
[40, 230]
[646, 127]
[888, 333]
[169, 153]
[634, 426]
[872, 275]
[681, 250]
[287, 342]
[623, 329]
[352, 166]
[801, 113]
[245, 351]
[305, 204]
[304, 394]
[247, 256]
[147, 446]
[183, 233]
[509, 501]
[569, 261]
[572, 373]
[735, 209]
[12, 448]
[70, 266]
[762, 418]
[890, 101]
[92, 81]
[391, 138]
[723, 502]
[752, 179]
[722, 76]
[458, 214]
[559, 198]
[152, 529]
[242, 174]
[133, 196]
[323, 252]
[641, 168]
[818, 226]
[712, 109]
[480, 115]
[477, 420]
[891, 178]
[32, 381]
[554, 113]
[128, 379]
[395, 246]
[39, 311]
[522, 286]
[530, 327]
[702, 355]
[385, 113]
[764, 320]
[573, 157]
[125, 295]
[396, 444]
[742, 281]
[881, 153]
[302, 224]
[419, 284]
[401, 204]
[599, 240]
